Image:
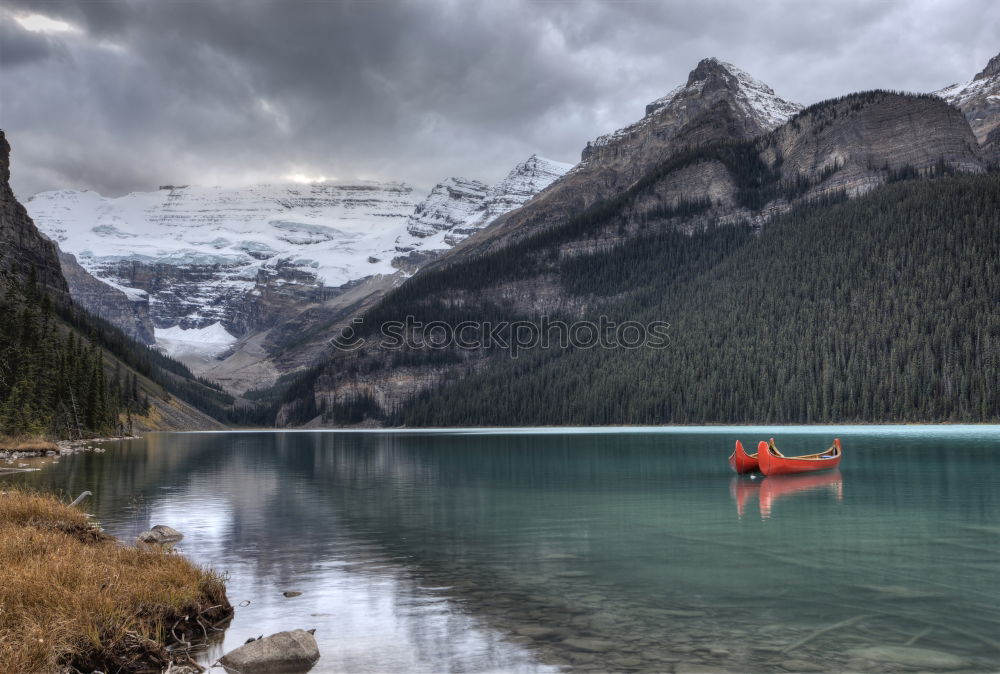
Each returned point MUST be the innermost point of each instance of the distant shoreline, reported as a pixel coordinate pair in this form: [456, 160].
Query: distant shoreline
[597, 429]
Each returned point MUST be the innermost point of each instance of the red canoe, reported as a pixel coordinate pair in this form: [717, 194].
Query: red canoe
[741, 462]
[773, 462]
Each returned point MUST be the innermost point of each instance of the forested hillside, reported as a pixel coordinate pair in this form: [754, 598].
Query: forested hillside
[880, 309]
[51, 382]
[67, 374]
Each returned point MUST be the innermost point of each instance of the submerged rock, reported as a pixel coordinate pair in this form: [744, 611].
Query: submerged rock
[294, 651]
[900, 592]
[908, 656]
[589, 645]
[676, 613]
[627, 662]
[698, 668]
[795, 665]
[160, 535]
[537, 632]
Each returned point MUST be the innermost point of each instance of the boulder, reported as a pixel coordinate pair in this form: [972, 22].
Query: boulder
[160, 535]
[294, 651]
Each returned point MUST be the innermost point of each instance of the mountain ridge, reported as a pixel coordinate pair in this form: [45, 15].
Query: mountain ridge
[845, 146]
[756, 100]
[979, 99]
[718, 102]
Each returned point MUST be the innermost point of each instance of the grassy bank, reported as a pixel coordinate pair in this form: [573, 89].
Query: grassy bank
[74, 597]
[33, 445]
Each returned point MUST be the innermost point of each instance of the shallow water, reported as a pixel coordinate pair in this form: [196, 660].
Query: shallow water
[623, 550]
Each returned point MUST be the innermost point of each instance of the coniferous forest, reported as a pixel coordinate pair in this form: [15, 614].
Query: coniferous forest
[878, 309]
[53, 382]
[67, 374]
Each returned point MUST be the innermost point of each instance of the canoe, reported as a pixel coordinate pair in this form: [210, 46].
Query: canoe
[773, 462]
[741, 462]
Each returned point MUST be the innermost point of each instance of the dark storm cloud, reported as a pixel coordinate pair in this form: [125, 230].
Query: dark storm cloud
[18, 46]
[146, 92]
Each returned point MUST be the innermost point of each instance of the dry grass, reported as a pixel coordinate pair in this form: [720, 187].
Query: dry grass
[8, 444]
[71, 596]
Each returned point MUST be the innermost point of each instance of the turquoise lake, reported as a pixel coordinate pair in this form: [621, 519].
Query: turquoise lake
[583, 549]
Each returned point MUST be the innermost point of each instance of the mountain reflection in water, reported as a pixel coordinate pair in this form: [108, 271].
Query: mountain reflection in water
[521, 551]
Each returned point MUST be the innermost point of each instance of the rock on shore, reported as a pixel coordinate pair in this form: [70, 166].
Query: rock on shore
[294, 651]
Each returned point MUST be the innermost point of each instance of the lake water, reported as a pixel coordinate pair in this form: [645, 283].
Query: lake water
[599, 550]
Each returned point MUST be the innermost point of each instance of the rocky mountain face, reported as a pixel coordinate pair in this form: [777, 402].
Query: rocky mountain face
[23, 249]
[718, 102]
[126, 308]
[259, 268]
[754, 105]
[462, 207]
[851, 144]
[979, 99]
[713, 162]
[452, 203]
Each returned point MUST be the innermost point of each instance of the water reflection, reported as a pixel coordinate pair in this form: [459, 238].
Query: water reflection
[512, 552]
[769, 490]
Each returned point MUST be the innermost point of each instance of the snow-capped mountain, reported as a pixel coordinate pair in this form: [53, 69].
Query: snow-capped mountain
[216, 255]
[461, 207]
[757, 106]
[452, 203]
[979, 99]
[335, 232]
[718, 102]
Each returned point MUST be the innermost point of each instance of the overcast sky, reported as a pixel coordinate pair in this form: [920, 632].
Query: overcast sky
[122, 95]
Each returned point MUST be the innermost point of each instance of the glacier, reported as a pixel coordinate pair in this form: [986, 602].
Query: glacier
[202, 255]
[211, 340]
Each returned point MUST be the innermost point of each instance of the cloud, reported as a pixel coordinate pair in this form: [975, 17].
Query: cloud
[19, 45]
[146, 92]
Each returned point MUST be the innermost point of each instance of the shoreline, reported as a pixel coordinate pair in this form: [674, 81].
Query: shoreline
[701, 428]
[26, 449]
[72, 615]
